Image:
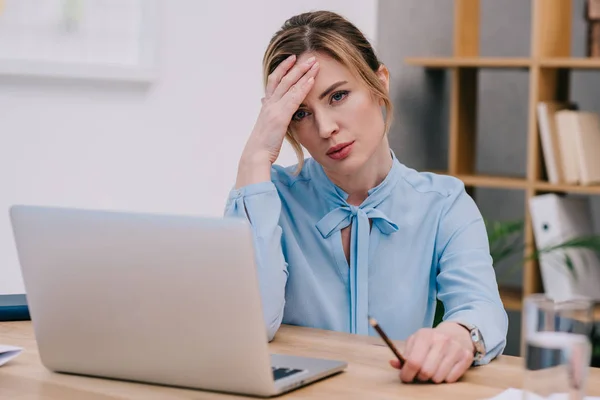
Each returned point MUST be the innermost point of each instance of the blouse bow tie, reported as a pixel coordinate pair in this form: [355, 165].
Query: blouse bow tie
[359, 217]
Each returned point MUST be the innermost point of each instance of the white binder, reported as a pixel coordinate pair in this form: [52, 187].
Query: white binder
[557, 219]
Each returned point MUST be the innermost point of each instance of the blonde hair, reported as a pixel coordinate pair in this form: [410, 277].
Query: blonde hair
[331, 34]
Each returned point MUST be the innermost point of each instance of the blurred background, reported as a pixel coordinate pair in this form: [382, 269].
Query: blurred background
[146, 105]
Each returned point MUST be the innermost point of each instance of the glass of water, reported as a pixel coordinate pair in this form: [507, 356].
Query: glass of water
[557, 347]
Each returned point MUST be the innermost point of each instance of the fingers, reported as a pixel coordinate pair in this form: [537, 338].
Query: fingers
[276, 76]
[298, 92]
[434, 357]
[290, 79]
[431, 356]
[409, 344]
[415, 356]
[460, 367]
[453, 355]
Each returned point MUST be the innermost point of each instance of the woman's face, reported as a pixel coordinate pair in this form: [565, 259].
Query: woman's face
[340, 123]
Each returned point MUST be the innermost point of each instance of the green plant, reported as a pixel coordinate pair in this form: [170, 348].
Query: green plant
[590, 242]
[506, 240]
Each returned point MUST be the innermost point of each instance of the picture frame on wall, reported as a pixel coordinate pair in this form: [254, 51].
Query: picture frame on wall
[113, 40]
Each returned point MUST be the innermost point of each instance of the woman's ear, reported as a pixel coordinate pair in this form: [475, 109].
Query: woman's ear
[384, 76]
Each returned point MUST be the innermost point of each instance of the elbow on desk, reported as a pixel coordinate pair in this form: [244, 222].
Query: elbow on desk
[271, 334]
[272, 331]
[272, 326]
[273, 319]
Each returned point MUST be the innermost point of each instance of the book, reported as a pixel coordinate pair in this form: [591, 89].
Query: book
[594, 39]
[566, 272]
[566, 126]
[587, 145]
[592, 10]
[546, 111]
[579, 140]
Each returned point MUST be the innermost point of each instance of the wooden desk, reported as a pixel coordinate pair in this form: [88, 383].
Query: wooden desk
[368, 375]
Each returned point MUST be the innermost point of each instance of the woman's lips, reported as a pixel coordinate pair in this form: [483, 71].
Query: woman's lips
[340, 151]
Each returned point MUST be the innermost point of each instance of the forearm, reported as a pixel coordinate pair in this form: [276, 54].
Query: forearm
[252, 168]
[466, 279]
[272, 277]
[260, 204]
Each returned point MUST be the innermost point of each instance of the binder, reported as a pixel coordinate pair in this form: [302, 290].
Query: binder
[556, 219]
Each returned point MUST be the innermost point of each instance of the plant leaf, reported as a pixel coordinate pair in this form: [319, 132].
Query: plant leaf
[570, 266]
[591, 242]
[498, 230]
[505, 240]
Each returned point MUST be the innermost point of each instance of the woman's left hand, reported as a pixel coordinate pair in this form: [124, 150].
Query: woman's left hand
[440, 354]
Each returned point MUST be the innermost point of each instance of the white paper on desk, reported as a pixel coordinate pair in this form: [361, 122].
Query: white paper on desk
[7, 353]
[517, 394]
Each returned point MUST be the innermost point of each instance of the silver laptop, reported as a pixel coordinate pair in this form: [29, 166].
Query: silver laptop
[160, 299]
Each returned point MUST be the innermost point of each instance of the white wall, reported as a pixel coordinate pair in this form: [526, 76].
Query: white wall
[172, 147]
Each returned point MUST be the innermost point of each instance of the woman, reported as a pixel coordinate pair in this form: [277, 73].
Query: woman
[352, 232]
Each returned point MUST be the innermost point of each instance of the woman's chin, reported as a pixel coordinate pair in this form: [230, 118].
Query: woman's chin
[347, 166]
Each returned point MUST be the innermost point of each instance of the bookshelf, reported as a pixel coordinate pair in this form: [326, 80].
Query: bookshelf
[473, 62]
[548, 65]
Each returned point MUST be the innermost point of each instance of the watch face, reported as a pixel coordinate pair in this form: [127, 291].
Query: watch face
[477, 340]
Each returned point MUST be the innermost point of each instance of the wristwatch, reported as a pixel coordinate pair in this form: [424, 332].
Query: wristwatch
[477, 340]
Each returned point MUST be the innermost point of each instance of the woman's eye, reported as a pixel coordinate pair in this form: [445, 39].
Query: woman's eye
[299, 115]
[339, 96]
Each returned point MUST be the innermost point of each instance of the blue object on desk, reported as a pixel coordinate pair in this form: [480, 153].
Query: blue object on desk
[13, 307]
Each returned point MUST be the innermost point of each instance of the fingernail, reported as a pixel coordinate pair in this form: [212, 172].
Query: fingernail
[315, 66]
[310, 60]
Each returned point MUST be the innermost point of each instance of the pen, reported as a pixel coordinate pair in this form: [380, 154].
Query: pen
[387, 341]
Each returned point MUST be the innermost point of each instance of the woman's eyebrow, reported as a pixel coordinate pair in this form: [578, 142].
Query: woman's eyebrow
[328, 90]
[331, 88]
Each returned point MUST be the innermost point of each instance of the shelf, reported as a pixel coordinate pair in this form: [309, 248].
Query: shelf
[493, 181]
[551, 187]
[512, 298]
[570, 62]
[502, 62]
[501, 182]
[437, 171]
[474, 62]
[550, 38]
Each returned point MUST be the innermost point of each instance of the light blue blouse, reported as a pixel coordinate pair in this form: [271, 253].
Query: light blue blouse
[427, 241]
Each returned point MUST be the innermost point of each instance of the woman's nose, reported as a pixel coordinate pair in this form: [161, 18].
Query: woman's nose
[327, 126]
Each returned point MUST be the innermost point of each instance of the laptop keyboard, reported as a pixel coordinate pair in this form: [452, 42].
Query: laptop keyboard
[279, 373]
